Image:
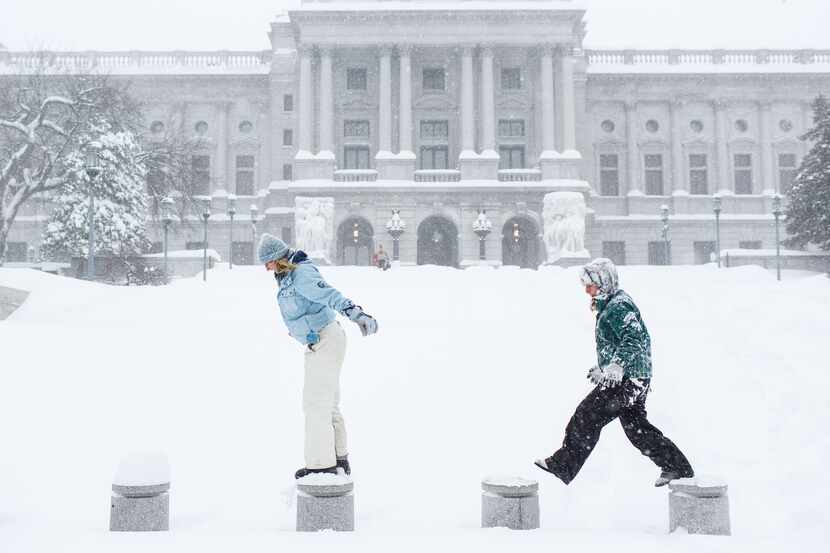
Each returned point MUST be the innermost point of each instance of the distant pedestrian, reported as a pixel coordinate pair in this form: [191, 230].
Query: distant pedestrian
[308, 305]
[381, 259]
[622, 378]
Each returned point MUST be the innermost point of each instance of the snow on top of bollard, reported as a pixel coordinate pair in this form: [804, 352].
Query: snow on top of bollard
[325, 479]
[143, 469]
[508, 481]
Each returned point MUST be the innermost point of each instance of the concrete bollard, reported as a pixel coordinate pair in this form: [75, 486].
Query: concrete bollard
[699, 506]
[510, 502]
[140, 494]
[325, 502]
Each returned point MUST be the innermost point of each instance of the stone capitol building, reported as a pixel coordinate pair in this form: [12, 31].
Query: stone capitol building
[453, 131]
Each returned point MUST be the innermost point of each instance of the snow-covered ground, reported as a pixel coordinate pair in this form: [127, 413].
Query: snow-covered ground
[473, 372]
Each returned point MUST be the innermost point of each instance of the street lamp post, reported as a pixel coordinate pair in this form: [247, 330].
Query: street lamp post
[776, 211]
[254, 213]
[664, 216]
[166, 220]
[356, 238]
[482, 227]
[92, 166]
[231, 213]
[396, 226]
[717, 208]
[205, 217]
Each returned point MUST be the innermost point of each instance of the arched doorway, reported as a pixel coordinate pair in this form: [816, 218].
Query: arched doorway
[437, 242]
[520, 243]
[355, 242]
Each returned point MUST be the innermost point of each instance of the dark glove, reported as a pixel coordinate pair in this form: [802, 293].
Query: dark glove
[612, 375]
[595, 375]
[368, 325]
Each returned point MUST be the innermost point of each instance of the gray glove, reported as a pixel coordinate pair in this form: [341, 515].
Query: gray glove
[368, 325]
[612, 375]
[595, 375]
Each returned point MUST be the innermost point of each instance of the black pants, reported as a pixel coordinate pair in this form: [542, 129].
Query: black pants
[601, 406]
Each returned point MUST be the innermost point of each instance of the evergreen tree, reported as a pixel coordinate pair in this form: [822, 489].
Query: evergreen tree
[120, 215]
[808, 210]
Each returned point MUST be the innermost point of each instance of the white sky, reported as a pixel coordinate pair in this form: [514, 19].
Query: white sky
[243, 24]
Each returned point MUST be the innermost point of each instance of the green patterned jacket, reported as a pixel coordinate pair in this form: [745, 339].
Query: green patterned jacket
[622, 336]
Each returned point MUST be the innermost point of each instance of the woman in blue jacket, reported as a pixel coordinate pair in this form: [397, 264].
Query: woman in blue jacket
[308, 305]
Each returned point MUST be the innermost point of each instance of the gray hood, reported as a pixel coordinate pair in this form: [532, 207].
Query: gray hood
[603, 273]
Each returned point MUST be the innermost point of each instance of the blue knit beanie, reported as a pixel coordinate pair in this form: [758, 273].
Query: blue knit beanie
[271, 248]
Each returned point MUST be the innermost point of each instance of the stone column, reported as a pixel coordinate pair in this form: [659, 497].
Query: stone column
[634, 185]
[467, 103]
[488, 102]
[725, 185]
[769, 183]
[220, 180]
[548, 115]
[385, 104]
[405, 98]
[305, 133]
[568, 105]
[679, 185]
[326, 104]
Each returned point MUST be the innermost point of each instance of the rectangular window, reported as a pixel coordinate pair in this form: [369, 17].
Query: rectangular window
[356, 157]
[698, 174]
[356, 78]
[511, 78]
[287, 172]
[654, 174]
[16, 252]
[288, 102]
[787, 169]
[435, 157]
[287, 137]
[286, 235]
[705, 252]
[657, 253]
[609, 175]
[195, 245]
[201, 175]
[511, 157]
[356, 129]
[245, 175]
[435, 129]
[511, 128]
[434, 79]
[750, 244]
[615, 251]
[743, 173]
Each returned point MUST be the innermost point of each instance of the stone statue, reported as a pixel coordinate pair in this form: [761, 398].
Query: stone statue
[314, 225]
[564, 216]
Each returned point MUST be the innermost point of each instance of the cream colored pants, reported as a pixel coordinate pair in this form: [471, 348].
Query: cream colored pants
[325, 431]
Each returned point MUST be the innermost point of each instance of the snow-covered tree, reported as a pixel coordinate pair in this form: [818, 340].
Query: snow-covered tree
[45, 118]
[808, 210]
[120, 214]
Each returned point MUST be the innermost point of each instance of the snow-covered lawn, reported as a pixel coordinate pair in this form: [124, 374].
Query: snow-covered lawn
[473, 372]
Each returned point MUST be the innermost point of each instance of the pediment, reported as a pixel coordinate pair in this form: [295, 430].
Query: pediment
[436, 102]
[245, 143]
[513, 103]
[357, 104]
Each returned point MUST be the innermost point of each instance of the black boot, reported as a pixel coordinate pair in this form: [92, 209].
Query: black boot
[343, 463]
[305, 472]
[667, 476]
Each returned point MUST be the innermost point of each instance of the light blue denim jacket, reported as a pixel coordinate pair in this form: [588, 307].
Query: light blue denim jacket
[307, 302]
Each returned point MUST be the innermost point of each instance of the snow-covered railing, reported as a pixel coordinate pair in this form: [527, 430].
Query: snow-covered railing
[520, 175]
[707, 57]
[437, 175]
[137, 62]
[355, 175]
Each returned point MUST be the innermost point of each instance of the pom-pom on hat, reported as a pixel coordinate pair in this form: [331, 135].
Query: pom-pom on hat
[271, 248]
